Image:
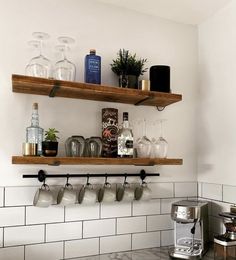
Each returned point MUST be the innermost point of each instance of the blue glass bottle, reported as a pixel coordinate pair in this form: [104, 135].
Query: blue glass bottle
[92, 70]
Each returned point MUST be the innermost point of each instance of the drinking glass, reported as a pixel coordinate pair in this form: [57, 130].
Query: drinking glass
[39, 66]
[64, 69]
[143, 144]
[160, 146]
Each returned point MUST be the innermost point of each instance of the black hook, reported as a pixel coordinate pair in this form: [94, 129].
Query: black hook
[106, 178]
[67, 178]
[88, 178]
[125, 178]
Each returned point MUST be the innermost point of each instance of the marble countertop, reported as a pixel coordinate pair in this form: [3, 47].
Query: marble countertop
[143, 254]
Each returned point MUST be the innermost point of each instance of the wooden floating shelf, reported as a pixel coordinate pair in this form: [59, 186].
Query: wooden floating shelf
[94, 161]
[68, 89]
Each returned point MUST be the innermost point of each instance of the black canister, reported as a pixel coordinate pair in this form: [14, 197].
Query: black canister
[160, 78]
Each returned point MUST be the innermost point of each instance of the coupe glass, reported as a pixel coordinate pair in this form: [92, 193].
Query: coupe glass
[160, 146]
[143, 144]
[64, 69]
[39, 66]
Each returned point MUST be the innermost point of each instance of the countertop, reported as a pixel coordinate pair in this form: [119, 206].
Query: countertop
[143, 254]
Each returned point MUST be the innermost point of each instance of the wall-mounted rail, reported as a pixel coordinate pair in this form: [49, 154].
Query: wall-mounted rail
[42, 175]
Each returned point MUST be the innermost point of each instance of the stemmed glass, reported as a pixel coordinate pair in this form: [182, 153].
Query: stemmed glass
[160, 146]
[39, 66]
[143, 144]
[64, 69]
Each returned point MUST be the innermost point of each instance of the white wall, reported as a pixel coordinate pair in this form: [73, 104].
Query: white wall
[217, 106]
[107, 29]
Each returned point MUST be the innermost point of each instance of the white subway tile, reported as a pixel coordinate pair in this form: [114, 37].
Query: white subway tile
[36, 215]
[115, 244]
[229, 193]
[1, 237]
[49, 251]
[81, 212]
[116, 209]
[63, 231]
[1, 196]
[131, 225]
[146, 207]
[212, 191]
[23, 235]
[159, 222]
[96, 228]
[19, 196]
[14, 216]
[167, 203]
[219, 207]
[12, 253]
[162, 190]
[185, 189]
[145, 240]
[83, 247]
[167, 237]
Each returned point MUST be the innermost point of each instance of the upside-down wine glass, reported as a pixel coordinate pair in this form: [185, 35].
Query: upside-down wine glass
[64, 69]
[39, 66]
[143, 144]
[160, 146]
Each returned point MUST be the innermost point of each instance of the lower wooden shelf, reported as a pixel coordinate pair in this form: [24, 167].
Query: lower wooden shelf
[94, 161]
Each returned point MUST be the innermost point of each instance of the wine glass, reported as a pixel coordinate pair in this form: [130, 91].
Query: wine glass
[143, 144]
[64, 69]
[39, 66]
[160, 146]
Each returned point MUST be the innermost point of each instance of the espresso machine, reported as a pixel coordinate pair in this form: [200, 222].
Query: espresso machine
[190, 229]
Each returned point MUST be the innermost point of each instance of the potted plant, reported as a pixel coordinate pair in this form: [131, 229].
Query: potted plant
[128, 67]
[50, 144]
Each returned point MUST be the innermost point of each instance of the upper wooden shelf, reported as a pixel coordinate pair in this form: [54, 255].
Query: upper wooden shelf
[94, 161]
[68, 89]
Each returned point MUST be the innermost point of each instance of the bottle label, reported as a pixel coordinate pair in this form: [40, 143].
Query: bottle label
[93, 69]
[125, 146]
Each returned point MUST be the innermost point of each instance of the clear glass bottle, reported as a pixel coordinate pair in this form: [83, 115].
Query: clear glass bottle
[92, 70]
[125, 138]
[34, 133]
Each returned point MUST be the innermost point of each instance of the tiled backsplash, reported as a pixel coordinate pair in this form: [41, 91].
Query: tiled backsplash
[220, 197]
[28, 232]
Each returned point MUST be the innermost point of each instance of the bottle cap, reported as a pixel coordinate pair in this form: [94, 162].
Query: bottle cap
[35, 105]
[92, 51]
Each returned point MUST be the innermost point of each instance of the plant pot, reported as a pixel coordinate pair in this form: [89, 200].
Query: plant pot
[132, 81]
[49, 148]
[123, 81]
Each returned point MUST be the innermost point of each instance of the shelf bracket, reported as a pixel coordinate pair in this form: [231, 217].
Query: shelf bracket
[55, 163]
[141, 101]
[54, 90]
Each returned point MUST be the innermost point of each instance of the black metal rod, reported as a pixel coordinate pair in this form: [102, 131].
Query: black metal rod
[41, 176]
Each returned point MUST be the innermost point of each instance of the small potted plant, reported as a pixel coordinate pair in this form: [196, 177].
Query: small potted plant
[128, 67]
[50, 144]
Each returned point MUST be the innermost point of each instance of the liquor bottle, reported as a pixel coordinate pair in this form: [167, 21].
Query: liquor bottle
[92, 71]
[34, 133]
[125, 138]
